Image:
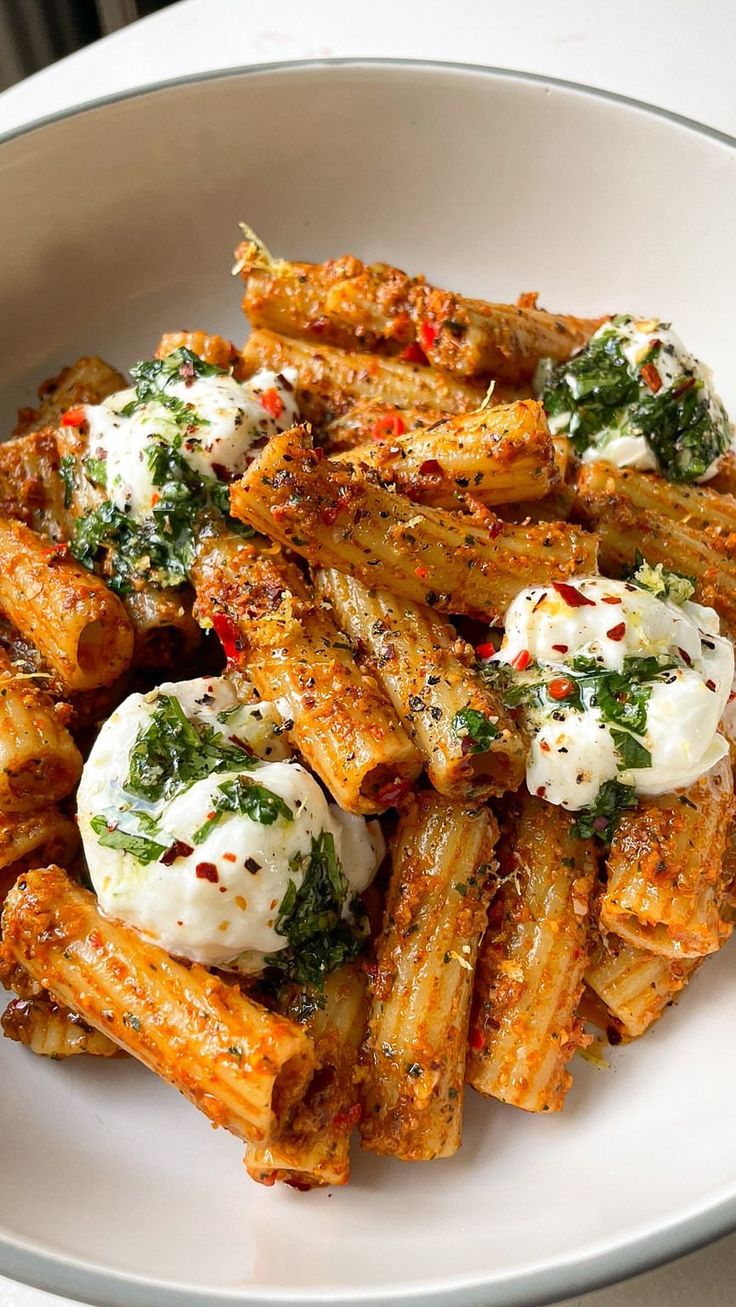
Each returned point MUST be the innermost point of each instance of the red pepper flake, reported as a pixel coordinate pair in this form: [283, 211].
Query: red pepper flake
[561, 688]
[56, 554]
[413, 354]
[485, 651]
[428, 334]
[540, 791]
[611, 599]
[685, 656]
[477, 1039]
[392, 793]
[371, 970]
[572, 597]
[349, 1118]
[711, 685]
[74, 417]
[388, 425]
[560, 648]
[229, 857]
[207, 871]
[544, 746]
[421, 572]
[179, 849]
[431, 468]
[651, 377]
[272, 402]
[522, 660]
[617, 632]
[96, 940]
[227, 632]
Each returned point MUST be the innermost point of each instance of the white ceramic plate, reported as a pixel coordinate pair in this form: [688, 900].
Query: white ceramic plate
[119, 222]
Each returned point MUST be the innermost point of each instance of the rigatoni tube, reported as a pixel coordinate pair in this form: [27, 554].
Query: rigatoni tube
[79, 627]
[39, 761]
[532, 962]
[238, 1063]
[271, 624]
[470, 745]
[418, 1024]
[665, 870]
[336, 518]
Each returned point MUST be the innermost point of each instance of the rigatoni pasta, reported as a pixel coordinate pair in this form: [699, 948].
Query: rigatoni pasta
[532, 962]
[336, 518]
[422, 986]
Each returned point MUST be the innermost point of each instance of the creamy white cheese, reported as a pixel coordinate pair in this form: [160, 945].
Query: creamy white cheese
[671, 363]
[217, 901]
[233, 423]
[574, 750]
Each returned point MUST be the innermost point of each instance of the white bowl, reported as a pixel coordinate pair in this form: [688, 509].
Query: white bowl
[119, 222]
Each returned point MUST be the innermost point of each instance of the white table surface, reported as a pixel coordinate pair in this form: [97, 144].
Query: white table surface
[674, 53]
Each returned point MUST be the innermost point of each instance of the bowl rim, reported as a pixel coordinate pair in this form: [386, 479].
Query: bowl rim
[28, 1262]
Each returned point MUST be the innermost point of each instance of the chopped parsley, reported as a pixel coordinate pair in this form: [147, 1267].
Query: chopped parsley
[111, 836]
[599, 394]
[660, 582]
[476, 731]
[243, 795]
[601, 818]
[161, 549]
[171, 753]
[311, 918]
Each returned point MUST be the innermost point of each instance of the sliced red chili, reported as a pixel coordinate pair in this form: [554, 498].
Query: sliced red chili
[413, 354]
[389, 424]
[617, 632]
[651, 377]
[272, 402]
[428, 334]
[573, 598]
[74, 417]
[227, 633]
[561, 688]
[522, 660]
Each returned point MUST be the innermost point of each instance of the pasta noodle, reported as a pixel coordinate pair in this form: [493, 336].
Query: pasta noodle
[293, 651]
[239, 1064]
[414, 656]
[533, 958]
[421, 992]
[335, 518]
[53, 1031]
[39, 761]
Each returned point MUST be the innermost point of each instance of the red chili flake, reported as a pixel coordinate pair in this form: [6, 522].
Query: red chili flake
[179, 849]
[371, 970]
[431, 468]
[485, 651]
[685, 656]
[229, 857]
[561, 688]
[421, 572]
[95, 939]
[56, 554]
[617, 632]
[477, 1039]
[392, 793]
[711, 685]
[413, 354]
[349, 1118]
[540, 791]
[272, 402]
[428, 334]
[227, 632]
[560, 648]
[611, 599]
[650, 375]
[572, 597]
[207, 871]
[74, 417]
[522, 660]
[388, 425]
[544, 746]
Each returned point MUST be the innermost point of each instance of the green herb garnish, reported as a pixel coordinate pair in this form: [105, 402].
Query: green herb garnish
[171, 753]
[601, 818]
[311, 918]
[67, 467]
[110, 836]
[661, 582]
[476, 731]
